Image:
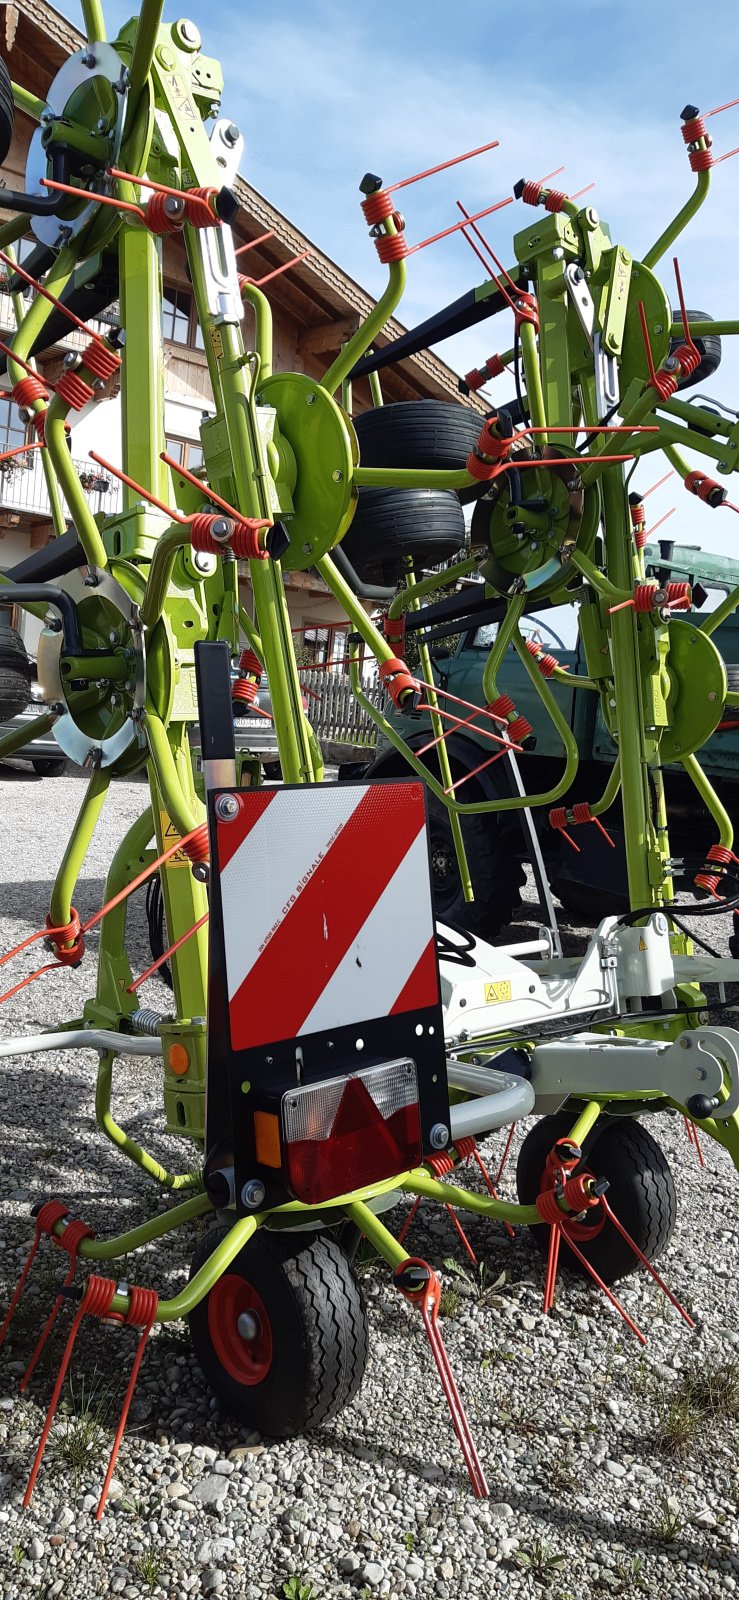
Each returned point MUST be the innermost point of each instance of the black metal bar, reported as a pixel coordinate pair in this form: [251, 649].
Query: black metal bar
[47, 594]
[462, 313]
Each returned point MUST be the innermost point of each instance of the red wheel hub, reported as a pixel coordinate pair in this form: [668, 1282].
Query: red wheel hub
[240, 1329]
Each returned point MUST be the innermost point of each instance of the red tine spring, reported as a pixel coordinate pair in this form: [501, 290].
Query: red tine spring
[198, 847]
[705, 488]
[100, 360]
[249, 662]
[378, 206]
[28, 389]
[392, 247]
[245, 690]
[74, 390]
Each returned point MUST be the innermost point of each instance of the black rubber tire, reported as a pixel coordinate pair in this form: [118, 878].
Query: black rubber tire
[319, 1332]
[49, 766]
[15, 673]
[496, 870]
[389, 524]
[417, 433]
[7, 113]
[709, 345]
[157, 925]
[641, 1191]
[420, 433]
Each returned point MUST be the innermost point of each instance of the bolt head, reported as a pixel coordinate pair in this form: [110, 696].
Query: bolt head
[310, 399]
[227, 807]
[439, 1136]
[231, 134]
[248, 1326]
[252, 1194]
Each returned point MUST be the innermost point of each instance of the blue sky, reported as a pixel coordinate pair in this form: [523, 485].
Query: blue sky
[325, 90]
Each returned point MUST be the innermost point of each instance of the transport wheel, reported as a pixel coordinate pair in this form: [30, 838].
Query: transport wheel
[282, 1336]
[496, 870]
[641, 1192]
[15, 671]
[390, 524]
[7, 112]
[709, 345]
[420, 433]
[48, 767]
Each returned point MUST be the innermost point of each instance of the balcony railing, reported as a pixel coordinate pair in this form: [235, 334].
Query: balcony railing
[23, 486]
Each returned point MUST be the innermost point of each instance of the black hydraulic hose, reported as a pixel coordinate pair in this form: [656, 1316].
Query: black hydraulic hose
[47, 594]
[37, 205]
[365, 591]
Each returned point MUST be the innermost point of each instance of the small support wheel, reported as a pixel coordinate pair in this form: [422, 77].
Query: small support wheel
[282, 1336]
[641, 1191]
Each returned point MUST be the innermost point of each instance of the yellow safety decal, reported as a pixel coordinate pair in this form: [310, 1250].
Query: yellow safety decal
[169, 834]
[642, 943]
[496, 993]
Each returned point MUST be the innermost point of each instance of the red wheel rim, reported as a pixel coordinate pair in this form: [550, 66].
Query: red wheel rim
[581, 1232]
[245, 1352]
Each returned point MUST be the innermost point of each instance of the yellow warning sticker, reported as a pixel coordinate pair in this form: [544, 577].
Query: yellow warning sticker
[169, 834]
[642, 943]
[496, 993]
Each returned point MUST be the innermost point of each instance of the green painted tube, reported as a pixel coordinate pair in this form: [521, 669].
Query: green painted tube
[13, 230]
[710, 800]
[437, 728]
[92, 14]
[32, 106]
[483, 1205]
[202, 1283]
[252, 633]
[504, 638]
[372, 325]
[375, 389]
[586, 1120]
[699, 329]
[726, 609]
[19, 737]
[380, 1237]
[598, 579]
[610, 792]
[167, 777]
[160, 572]
[405, 598]
[150, 16]
[412, 478]
[628, 689]
[534, 389]
[263, 337]
[354, 610]
[125, 1243]
[703, 184]
[127, 1146]
[77, 847]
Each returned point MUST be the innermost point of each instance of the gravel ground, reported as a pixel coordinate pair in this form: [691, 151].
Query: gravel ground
[612, 1469]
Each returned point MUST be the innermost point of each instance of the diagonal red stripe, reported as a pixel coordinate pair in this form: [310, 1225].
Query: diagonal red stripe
[421, 988]
[287, 979]
[231, 835]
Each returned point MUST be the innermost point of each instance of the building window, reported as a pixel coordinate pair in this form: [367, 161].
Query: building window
[176, 315]
[13, 432]
[180, 319]
[185, 452]
[322, 646]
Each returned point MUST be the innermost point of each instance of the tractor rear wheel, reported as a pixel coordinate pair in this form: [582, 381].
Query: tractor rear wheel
[282, 1336]
[641, 1192]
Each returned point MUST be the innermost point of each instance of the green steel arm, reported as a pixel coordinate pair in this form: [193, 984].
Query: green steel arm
[251, 632]
[92, 13]
[675, 228]
[15, 740]
[32, 106]
[407, 598]
[77, 847]
[373, 324]
[610, 792]
[700, 328]
[263, 343]
[128, 1146]
[412, 478]
[160, 572]
[168, 780]
[503, 638]
[710, 800]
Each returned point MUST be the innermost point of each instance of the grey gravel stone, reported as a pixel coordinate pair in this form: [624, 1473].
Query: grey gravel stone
[210, 1491]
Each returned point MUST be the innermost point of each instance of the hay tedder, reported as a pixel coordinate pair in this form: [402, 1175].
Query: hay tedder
[331, 1050]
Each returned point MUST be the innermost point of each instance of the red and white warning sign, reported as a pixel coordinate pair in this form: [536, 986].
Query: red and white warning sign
[327, 915]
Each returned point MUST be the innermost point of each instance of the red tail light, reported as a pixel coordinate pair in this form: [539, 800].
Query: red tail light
[346, 1133]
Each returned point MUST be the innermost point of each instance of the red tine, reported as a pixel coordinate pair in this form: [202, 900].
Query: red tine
[471, 221]
[206, 490]
[717, 109]
[657, 525]
[131, 483]
[681, 298]
[254, 242]
[580, 192]
[257, 282]
[147, 183]
[445, 232]
[26, 368]
[454, 162]
[647, 340]
[87, 194]
[658, 484]
[20, 450]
